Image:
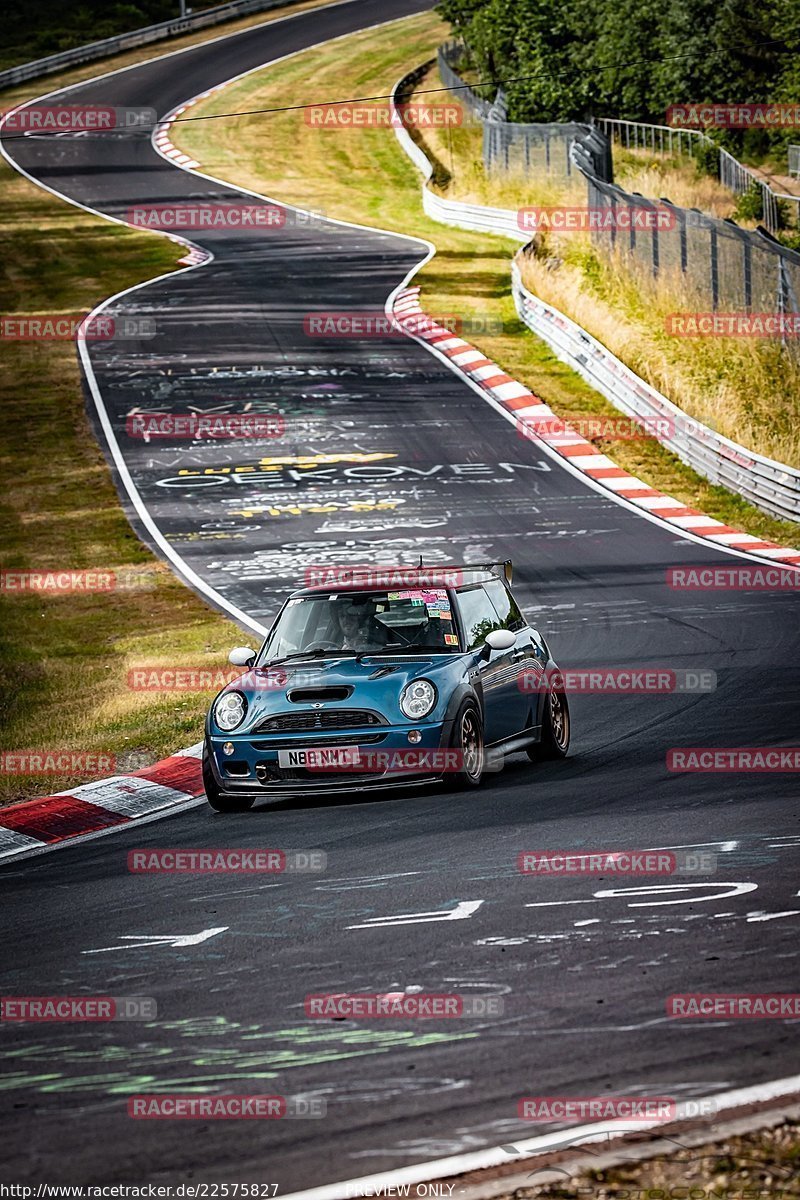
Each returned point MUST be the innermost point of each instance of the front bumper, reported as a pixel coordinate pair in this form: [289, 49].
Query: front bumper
[253, 768]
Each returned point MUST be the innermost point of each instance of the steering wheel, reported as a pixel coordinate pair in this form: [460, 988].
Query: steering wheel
[322, 645]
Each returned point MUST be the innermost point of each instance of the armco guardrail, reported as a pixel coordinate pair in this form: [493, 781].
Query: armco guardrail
[772, 486]
[477, 217]
[137, 37]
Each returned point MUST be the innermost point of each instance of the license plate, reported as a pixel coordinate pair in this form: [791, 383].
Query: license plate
[320, 757]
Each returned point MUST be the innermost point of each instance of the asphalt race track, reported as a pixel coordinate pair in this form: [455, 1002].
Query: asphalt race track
[583, 977]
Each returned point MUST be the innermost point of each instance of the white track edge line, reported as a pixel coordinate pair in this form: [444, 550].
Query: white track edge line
[133, 493]
[493, 1156]
[455, 1163]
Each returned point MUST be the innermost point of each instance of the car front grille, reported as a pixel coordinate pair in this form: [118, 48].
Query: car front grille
[311, 740]
[319, 721]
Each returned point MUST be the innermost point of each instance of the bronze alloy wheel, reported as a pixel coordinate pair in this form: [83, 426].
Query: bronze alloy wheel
[470, 743]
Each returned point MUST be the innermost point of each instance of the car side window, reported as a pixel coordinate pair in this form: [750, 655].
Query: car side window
[505, 604]
[478, 616]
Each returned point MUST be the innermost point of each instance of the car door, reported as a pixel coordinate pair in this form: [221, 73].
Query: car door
[523, 695]
[503, 702]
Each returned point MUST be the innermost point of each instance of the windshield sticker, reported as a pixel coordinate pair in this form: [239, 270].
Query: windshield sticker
[422, 596]
[450, 639]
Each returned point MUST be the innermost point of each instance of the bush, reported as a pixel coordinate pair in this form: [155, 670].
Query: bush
[707, 159]
[750, 205]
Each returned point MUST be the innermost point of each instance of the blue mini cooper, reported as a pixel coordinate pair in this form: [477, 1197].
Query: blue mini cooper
[395, 677]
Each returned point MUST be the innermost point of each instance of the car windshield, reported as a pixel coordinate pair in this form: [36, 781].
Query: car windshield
[378, 622]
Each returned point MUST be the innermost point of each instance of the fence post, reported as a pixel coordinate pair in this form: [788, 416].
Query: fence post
[747, 271]
[769, 207]
[656, 258]
[682, 237]
[714, 269]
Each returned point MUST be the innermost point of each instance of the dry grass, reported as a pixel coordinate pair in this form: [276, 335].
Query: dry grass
[746, 388]
[755, 1166]
[676, 179]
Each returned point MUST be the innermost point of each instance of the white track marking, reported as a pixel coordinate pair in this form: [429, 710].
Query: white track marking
[142, 940]
[12, 843]
[762, 916]
[666, 889]
[128, 795]
[661, 889]
[182, 567]
[463, 910]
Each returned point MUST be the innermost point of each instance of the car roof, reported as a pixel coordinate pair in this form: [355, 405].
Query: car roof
[433, 577]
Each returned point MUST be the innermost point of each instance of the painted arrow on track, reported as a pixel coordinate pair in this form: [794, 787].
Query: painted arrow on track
[169, 939]
[464, 909]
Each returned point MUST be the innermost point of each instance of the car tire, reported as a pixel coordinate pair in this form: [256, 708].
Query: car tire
[215, 798]
[555, 728]
[467, 739]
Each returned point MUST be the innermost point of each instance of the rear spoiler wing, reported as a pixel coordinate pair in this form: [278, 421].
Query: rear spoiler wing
[503, 568]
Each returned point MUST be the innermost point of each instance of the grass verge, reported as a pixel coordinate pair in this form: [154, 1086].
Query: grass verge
[361, 174]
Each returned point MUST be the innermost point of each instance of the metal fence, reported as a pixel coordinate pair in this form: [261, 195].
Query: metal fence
[508, 146]
[636, 135]
[137, 37]
[531, 149]
[451, 53]
[794, 161]
[709, 262]
[776, 207]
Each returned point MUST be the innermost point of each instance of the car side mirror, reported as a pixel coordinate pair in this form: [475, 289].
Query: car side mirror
[242, 656]
[500, 639]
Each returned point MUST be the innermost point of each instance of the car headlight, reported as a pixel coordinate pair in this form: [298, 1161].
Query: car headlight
[417, 699]
[229, 711]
